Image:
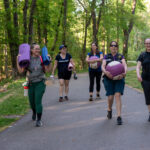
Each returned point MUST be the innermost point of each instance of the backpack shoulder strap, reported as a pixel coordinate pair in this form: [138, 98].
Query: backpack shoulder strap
[41, 60]
[42, 64]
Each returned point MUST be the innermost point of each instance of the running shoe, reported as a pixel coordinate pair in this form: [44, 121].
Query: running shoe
[119, 121]
[91, 99]
[66, 98]
[60, 99]
[98, 96]
[38, 123]
[109, 114]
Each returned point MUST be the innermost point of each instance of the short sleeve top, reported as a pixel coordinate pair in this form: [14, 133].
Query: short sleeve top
[144, 58]
[99, 67]
[62, 64]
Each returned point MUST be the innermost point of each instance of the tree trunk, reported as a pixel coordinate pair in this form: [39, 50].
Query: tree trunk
[31, 20]
[13, 50]
[64, 23]
[57, 31]
[25, 21]
[85, 37]
[96, 22]
[128, 31]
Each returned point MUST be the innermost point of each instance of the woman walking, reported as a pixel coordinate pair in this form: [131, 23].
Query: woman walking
[114, 88]
[62, 61]
[36, 80]
[143, 62]
[94, 59]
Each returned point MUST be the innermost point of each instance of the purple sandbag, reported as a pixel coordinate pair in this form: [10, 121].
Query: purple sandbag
[115, 68]
[24, 55]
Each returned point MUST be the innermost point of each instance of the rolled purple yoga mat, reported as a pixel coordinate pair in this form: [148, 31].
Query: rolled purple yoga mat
[24, 55]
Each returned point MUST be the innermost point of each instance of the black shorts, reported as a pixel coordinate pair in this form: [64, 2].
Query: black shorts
[65, 75]
[146, 89]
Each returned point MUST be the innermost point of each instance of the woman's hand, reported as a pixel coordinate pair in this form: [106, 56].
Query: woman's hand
[109, 75]
[139, 78]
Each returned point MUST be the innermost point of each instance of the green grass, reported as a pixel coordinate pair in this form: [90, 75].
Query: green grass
[131, 80]
[131, 64]
[15, 104]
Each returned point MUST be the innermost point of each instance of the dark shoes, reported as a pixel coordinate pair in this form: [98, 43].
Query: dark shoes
[38, 123]
[34, 116]
[66, 98]
[109, 114]
[119, 121]
[91, 99]
[61, 99]
[98, 96]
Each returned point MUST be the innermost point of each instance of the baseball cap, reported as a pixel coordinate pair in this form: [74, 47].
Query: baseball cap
[62, 46]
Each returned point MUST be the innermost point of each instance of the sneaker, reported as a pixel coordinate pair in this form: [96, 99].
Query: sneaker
[119, 121]
[38, 123]
[91, 99]
[109, 114]
[60, 99]
[98, 96]
[66, 98]
[34, 116]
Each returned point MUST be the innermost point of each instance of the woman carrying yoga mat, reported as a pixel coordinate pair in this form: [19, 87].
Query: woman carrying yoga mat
[62, 61]
[36, 80]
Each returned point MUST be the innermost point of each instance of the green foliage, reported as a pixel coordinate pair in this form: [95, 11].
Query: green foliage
[132, 80]
[114, 19]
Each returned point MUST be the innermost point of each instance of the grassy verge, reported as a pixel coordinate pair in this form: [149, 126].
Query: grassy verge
[131, 80]
[131, 64]
[12, 104]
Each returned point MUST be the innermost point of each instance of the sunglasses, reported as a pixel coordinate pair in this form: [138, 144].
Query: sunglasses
[113, 45]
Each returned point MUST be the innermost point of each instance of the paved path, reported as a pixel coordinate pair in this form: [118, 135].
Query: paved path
[82, 125]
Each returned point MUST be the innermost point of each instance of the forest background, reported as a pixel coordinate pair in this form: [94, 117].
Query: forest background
[76, 23]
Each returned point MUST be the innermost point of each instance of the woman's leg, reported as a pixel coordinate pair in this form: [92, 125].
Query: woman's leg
[110, 102]
[98, 80]
[61, 87]
[31, 95]
[118, 107]
[118, 103]
[146, 89]
[39, 91]
[66, 87]
[91, 77]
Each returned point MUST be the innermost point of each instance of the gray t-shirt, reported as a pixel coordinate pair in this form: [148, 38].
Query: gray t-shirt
[36, 70]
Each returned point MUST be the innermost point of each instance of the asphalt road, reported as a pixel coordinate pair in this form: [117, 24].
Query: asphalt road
[82, 125]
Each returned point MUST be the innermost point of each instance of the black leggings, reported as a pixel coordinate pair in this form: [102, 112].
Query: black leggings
[92, 76]
[146, 89]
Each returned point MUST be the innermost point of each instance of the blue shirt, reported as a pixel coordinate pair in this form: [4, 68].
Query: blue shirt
[99, 67]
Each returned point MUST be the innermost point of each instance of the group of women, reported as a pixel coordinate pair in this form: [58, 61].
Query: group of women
[97, 66]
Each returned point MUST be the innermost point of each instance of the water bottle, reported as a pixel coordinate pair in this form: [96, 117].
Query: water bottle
[52, 78]
[26, 87]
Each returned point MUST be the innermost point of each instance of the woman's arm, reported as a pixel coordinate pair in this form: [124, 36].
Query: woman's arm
[125, 67]
[72, 62]
[48, 68]
[138, 67]
[20, 70]
[107, 73]
[90, 61]
[55, 66]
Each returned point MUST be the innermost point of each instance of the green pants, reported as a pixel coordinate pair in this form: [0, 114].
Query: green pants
[36, 91]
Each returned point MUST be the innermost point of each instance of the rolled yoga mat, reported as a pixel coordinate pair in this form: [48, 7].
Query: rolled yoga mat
[45, 57]
[24, 55]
